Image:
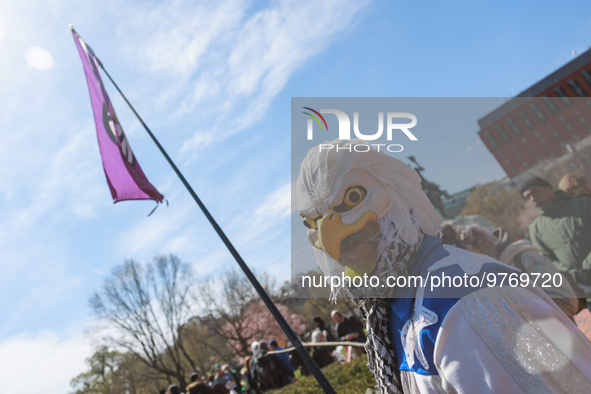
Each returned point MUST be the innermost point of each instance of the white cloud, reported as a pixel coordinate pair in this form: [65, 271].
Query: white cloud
[187, 31]
[254, 57]
[274, 208]
[175, 232]
[42, 364]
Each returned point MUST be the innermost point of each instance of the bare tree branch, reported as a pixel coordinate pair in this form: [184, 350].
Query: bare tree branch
[145, 307]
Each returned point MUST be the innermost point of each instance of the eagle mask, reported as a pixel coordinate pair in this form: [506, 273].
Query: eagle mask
[364, 211]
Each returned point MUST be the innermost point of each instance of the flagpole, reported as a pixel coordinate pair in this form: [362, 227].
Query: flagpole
[262, 293]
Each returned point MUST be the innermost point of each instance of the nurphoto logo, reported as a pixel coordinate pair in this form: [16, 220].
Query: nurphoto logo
[345, 128]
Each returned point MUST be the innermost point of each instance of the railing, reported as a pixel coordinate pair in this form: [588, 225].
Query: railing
[316, 344]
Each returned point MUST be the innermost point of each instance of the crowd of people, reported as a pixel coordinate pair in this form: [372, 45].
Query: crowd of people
[558, 241]
[267, 368]
[480, 325]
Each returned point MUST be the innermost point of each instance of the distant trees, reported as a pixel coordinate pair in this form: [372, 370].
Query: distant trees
[502, 207]
[257, 323]
[156, 325]
[112, 372]
[312, 301]
[233, 310]
[145, 308]
[103, 375]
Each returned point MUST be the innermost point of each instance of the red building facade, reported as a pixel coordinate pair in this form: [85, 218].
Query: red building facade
[544, 122]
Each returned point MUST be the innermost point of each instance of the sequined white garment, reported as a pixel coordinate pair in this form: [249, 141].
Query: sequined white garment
[490, 340]
[507, 341]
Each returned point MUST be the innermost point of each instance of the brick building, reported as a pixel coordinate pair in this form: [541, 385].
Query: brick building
[547, 121]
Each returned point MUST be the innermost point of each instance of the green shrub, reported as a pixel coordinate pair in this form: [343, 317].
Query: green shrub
[351, 378]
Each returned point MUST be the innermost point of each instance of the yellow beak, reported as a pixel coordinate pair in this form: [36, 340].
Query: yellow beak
[332, 231]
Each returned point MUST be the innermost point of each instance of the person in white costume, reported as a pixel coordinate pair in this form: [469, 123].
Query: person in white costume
[366, 214]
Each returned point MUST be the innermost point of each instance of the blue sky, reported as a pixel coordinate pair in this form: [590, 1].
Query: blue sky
[214, 81]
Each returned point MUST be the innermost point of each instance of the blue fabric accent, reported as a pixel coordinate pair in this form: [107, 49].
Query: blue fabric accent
[439, 300]
[405, 296]
[285, 358]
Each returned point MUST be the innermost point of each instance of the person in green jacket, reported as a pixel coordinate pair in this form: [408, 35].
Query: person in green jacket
[562, 231]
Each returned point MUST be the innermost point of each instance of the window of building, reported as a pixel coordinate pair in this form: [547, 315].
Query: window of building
[562, 94]
[502, 133]
[491, 140]
[531, 149]
[501, 154]
[575, 111]
[550, 104]
[519, 156]
[587, 76]
[549, 126]
[555, 134]
[507, 162]
[538, 158]
[563, 144]
[537, 133]
[576, 136]
[514, 126]
[525, 164]
[513, 147]
[550, 152]
[577, 88]
[583, 121]
[562, 118]
[569, 128]
[525, 119]
[538, 112]
[513, 171]
[524, 140]
[543, 143]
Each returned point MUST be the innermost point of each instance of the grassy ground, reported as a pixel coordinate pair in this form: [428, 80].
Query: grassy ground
[351, 378]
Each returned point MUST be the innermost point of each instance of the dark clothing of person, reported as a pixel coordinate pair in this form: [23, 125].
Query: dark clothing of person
[329, 336]
[250, 382]
[562, 232]
[350, 326]
[322, 354]
[174, 389]
[449, 236]
[237, 378]
[286, 369]
[219, 388]
[269, 372]
[284, 357]
[198, 388]
[298, 362]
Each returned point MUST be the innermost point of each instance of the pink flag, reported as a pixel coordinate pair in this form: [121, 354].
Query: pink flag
[124, 175]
